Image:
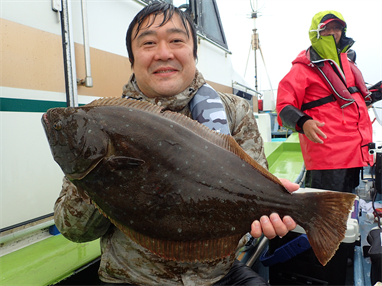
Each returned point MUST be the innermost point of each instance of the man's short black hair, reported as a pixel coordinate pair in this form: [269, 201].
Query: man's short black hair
[155, 9]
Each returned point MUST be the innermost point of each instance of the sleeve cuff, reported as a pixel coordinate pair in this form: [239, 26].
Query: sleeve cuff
[302, 120]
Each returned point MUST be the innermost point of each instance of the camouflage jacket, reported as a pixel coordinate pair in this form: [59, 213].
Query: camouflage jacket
[123, 260]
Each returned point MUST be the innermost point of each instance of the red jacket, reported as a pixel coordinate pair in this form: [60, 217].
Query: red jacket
[347, 129]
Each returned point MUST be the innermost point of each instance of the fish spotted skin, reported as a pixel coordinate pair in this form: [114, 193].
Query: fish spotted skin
[162, 177]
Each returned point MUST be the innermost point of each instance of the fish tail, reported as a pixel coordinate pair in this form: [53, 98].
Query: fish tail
[327, 221]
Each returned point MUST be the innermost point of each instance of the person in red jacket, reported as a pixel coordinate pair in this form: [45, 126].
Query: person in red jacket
[324, 98]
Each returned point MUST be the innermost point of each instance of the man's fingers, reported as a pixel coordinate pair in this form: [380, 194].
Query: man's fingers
[313, 136]
[320, 124]
[272, 226]
[279, 227]
[267, 227]
[291, 187]
[319, 132]
[256, 230]
[289, 222]
[312, 131]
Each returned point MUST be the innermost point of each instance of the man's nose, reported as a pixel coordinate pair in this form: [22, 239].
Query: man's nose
[164, 52]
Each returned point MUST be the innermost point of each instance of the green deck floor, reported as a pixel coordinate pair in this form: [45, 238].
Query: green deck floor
[285, 158]
[288, 165]
[46, 262]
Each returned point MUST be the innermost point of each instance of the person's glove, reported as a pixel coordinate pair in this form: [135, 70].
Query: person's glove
[376, 92]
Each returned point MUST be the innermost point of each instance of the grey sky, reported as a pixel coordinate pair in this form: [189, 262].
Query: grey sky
[283, 32]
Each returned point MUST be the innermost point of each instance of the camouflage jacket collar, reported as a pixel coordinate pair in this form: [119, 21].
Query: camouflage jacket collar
[177, 103]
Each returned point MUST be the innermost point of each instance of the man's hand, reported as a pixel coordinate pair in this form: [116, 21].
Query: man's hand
[312, 131]
[273, 225]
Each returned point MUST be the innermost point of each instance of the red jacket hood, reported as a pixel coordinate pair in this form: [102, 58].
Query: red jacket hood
[302, 58]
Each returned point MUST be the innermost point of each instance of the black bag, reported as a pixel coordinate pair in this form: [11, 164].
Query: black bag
[374, 238]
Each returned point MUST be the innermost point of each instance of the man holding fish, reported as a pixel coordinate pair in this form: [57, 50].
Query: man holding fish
[162, 47]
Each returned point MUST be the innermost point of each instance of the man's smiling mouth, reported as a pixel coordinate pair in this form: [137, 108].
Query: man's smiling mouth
[165, 71]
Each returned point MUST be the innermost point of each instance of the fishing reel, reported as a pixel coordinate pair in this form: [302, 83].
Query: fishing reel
[376, 151]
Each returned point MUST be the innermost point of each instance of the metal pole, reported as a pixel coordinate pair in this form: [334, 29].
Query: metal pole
[255, 52]
[88, 78]
[255, 40]
[260, 248]
[69, 55]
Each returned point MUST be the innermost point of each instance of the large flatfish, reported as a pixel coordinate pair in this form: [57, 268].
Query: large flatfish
[177, 188]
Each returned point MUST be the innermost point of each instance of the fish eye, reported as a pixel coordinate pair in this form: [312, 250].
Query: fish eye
[57, 125]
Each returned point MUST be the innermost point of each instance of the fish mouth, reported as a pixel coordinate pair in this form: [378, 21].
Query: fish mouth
[45, 122]
[53, 141]
[47, 128]
[45, 118]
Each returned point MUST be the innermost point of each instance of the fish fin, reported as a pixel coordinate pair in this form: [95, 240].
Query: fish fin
[125, 102]
[122, 162]
[326, 222]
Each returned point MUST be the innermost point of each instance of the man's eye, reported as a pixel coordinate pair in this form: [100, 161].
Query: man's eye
[336, 28]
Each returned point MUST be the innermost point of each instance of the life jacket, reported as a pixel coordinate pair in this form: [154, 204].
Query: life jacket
[330, 73]
[207, 108]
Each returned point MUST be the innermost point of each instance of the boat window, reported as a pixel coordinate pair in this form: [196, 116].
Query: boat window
[209, 22]
[206, 17]
[183, 5]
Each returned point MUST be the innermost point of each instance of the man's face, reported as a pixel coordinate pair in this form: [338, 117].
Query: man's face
[333, 28]
[164, 63]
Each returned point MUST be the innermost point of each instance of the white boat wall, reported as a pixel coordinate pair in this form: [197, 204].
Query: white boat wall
[375, 113]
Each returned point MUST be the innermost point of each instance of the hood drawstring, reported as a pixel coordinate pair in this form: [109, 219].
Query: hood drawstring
[321, 27]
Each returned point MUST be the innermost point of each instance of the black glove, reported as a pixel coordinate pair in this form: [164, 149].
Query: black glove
[376, 87]
[241, 274]
[376, 92]
[376, 96]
